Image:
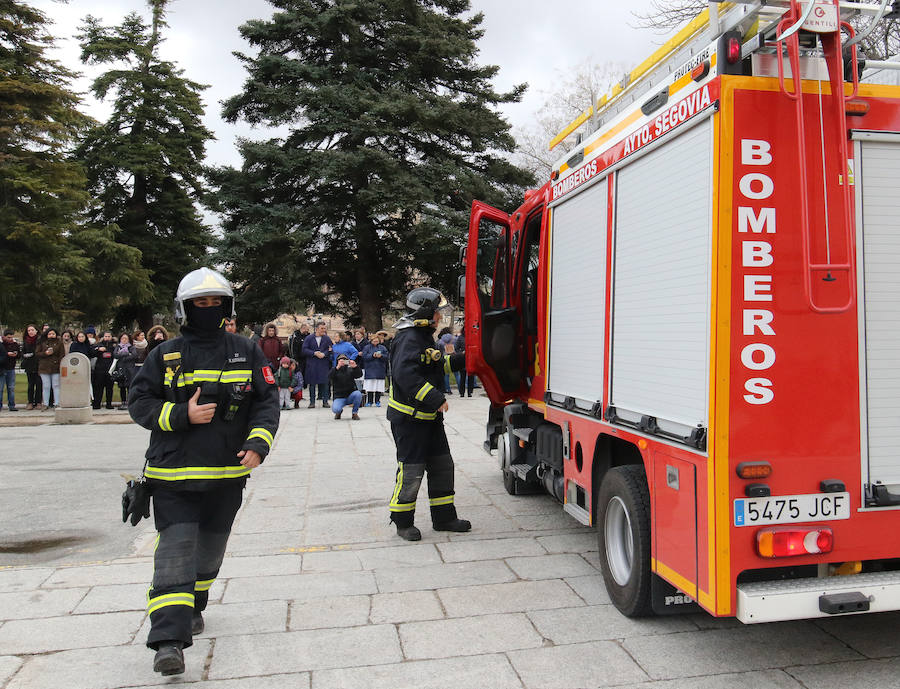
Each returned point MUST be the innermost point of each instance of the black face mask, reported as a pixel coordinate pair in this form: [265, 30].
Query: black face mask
[208, 319]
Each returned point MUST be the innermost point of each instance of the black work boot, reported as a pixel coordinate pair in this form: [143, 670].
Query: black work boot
[409, 533]
[337, 416]
[197, 623]
[459, 525]
[169, 659]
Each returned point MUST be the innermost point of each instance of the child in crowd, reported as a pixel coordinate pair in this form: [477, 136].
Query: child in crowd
[297, 383]
[375, 361]
[284, 379]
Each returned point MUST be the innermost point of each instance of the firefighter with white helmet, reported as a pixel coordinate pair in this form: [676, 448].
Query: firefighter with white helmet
[210, 402]
[415, 411]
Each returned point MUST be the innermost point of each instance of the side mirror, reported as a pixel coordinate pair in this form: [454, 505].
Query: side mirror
[461, 290]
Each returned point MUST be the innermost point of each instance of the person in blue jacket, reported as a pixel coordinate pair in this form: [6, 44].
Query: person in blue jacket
[345, 347]
[375, 362]
[317, 349]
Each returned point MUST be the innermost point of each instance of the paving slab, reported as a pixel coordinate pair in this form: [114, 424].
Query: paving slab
[324, 613]
[39, 603]
[115, 667]
[409, 606]
[865, 633]
[755, 647]
[299, 680]
[331, 561]
[471, 672]
[443, 576]
[299, 587]
[113, 598]
[550, 566]
[764, 679]
[9, 665]
[517, 596]
[94, 575]
[467, 636]
[883, 674]
[261, 565]
[592, 589]
[570, 543]
[601, 622]
[489, 549]
[24, 579]
[61, 633]
[411, 555]
[264, 654]
[585, 666]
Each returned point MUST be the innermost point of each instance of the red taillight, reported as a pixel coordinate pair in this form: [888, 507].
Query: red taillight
[733, 50]
[787, 541]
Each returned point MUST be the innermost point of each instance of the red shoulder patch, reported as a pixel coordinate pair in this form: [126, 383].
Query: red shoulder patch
[267, 374]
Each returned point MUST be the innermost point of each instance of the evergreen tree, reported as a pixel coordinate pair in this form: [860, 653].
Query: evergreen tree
[393, 132]
[48, 252]
[41, 191]
[144, 164]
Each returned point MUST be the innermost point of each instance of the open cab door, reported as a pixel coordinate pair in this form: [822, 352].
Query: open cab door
[492, 324]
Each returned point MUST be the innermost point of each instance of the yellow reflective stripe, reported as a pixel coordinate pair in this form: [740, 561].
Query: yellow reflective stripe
[424, 390]
[204, 585]
[397, 487]
[403, 507]
[187, 473]
[155, 604]
[261, 433]
[446, 500]
[410, 411]
[210, 375]
[165, 416]
[447, 369]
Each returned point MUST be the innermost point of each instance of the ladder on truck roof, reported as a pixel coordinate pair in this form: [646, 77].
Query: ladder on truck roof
[756, 19]
[778, 24]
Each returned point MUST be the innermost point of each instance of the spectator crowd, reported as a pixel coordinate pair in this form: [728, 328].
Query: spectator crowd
[349, 368]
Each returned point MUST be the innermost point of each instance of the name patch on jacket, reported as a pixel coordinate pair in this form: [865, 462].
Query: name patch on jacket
[237, 359]
[171, 355]
[267, 374]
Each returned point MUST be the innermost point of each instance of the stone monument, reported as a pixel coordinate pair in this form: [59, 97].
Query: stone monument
[74, 404]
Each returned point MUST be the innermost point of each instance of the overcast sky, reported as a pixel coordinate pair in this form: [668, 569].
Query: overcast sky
[531, 41]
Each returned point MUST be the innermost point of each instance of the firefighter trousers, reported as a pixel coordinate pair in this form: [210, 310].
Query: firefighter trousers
[422, 449]
[193, 531]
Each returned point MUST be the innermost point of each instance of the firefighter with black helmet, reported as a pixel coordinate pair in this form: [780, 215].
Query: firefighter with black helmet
[210, 402]
[415, 412]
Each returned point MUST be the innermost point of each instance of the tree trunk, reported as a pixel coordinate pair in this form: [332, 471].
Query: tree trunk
[366, 275]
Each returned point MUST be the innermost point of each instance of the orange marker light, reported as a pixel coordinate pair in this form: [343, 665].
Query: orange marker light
[755, 470]
[857, 107]
[700, 71]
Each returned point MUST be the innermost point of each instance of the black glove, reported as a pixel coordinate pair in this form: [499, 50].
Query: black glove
[135, 501]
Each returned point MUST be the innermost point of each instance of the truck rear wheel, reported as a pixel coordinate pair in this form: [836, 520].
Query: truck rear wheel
[623, 521]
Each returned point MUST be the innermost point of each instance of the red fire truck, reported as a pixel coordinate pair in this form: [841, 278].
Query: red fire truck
[690, 335]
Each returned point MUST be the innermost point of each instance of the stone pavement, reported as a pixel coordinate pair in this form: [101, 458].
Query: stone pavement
[318, 592]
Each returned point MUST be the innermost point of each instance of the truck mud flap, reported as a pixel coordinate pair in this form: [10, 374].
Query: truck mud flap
[665, 599]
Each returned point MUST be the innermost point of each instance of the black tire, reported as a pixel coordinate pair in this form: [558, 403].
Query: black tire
[623, 537]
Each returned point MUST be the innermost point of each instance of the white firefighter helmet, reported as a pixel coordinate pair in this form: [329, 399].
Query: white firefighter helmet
[203, 282]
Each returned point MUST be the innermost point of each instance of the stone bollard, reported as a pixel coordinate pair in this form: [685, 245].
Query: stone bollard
[74, 404]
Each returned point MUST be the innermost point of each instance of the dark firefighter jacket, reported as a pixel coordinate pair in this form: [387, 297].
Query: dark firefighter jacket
[417, 375]
[231, 371]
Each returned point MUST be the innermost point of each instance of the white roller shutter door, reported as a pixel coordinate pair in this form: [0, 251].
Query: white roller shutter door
[661, 310]
[578, 296]
[878, 173]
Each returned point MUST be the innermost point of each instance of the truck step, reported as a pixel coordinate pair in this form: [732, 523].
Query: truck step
[795, 599]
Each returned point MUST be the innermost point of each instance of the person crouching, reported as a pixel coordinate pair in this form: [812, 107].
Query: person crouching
[343, 385]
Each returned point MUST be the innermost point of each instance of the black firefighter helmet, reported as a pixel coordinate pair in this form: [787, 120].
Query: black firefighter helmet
[422, 302]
